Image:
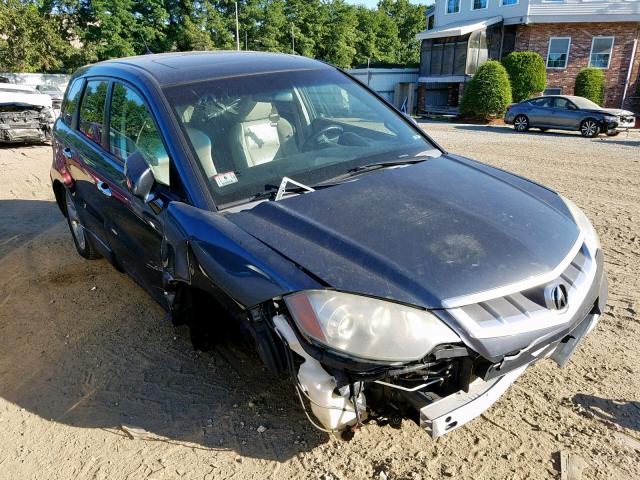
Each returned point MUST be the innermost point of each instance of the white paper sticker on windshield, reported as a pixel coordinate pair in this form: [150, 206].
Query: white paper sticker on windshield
[226, 178]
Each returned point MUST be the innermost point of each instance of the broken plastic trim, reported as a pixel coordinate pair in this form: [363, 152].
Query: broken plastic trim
[334, 412]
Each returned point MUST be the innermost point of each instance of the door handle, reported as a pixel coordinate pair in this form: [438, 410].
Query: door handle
[67, 152]
[104, 188]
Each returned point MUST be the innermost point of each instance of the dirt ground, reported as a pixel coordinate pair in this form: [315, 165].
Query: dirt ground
[83, 351]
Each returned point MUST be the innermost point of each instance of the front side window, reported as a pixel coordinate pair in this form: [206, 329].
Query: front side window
[479, 4]
[248, 132]
[601, 48]
[558, 54]
[564, 104]
[453, 6]
[132, 129]
[71, 101]
[92, 109]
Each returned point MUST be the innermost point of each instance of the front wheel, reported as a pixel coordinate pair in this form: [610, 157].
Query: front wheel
[589, 128]
[521, 123]
[81, 240]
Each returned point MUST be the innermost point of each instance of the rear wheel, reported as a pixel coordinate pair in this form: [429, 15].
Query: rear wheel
[521, 123]
[81, 240]
[589, 128]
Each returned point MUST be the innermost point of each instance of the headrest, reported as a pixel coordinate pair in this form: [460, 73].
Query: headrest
[258, 111]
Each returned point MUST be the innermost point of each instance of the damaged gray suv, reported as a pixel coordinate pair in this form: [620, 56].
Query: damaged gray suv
[386, 276]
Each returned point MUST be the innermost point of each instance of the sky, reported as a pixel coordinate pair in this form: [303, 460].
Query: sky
[373, 3]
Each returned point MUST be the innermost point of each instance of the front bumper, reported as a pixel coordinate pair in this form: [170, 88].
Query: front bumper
[449, 413]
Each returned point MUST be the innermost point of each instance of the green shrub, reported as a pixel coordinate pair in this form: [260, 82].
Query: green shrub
[488, 93]
[527, 74]
[590, 84]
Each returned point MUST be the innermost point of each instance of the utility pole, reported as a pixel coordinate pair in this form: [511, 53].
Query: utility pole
[245, 41]
[237, 29]
[293, 41]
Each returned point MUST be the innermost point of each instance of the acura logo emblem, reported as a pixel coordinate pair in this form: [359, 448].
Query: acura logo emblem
[556, 297]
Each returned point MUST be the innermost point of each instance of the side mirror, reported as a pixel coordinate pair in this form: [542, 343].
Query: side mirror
[139, 176]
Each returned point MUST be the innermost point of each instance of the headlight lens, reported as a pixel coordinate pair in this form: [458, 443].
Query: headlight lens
[590, 234]
[366, 327]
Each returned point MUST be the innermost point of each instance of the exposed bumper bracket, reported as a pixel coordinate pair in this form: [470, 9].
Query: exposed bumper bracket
[449, 413]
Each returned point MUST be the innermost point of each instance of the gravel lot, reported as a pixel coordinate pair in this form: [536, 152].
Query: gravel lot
[83, 351]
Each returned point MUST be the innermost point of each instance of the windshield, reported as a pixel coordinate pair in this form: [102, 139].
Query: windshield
[249, 132]
[582, 102]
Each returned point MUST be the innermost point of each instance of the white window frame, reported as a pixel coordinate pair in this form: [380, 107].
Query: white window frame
[593, 41]
[446, 7]
[566, 63]
[510, 4]
[476, 9]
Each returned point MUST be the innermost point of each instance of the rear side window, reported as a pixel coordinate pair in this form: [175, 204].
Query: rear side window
[542, 102]
[92, 110]
[71, 101]
[131, 129]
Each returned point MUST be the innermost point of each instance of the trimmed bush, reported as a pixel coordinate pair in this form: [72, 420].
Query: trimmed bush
[527, 74]
[488, 93]
[590, 84]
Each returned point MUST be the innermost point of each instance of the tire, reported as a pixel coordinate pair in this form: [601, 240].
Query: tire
[81, 240]
[613, 133]
[521, 123]
[589, 128]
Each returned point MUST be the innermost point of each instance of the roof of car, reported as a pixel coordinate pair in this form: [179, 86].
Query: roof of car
[185, 67]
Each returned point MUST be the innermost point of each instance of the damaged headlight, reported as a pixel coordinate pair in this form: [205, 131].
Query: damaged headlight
[590, 234]
[366, 327]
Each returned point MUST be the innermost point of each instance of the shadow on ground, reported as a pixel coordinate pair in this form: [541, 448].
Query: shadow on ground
[82, 345]
[625, 413]
[21, 220]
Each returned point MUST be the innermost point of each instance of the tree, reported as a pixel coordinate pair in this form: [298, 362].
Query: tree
[409, 19]
[488, 93]
[273, 32]
[30, 41]
[527, 74]
[590, 84]
[340, 34]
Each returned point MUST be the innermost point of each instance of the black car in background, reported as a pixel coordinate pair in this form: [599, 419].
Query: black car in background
[566, 112]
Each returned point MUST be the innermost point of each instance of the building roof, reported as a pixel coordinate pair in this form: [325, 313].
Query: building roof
[458, 29]
[183, 67]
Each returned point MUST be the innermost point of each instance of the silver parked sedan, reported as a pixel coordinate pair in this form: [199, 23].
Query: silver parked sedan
[565, 112]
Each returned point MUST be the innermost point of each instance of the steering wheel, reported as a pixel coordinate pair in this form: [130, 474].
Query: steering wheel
[324, 137]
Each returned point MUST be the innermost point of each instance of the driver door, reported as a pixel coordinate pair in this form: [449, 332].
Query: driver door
[134, 227]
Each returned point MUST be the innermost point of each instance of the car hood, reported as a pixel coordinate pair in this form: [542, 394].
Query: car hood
[25, 99]
[611, 111]
[419, 234]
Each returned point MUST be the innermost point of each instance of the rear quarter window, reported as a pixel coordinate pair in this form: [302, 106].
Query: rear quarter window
[71, 101]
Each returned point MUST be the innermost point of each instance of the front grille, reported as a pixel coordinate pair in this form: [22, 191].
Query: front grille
[526, 311]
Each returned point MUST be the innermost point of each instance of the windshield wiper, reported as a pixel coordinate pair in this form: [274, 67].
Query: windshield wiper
[378, 165]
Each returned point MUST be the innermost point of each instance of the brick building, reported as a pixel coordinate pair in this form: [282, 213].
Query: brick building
[569, 34]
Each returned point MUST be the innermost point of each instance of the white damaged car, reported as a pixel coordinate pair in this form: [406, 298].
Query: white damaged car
[26, 115]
